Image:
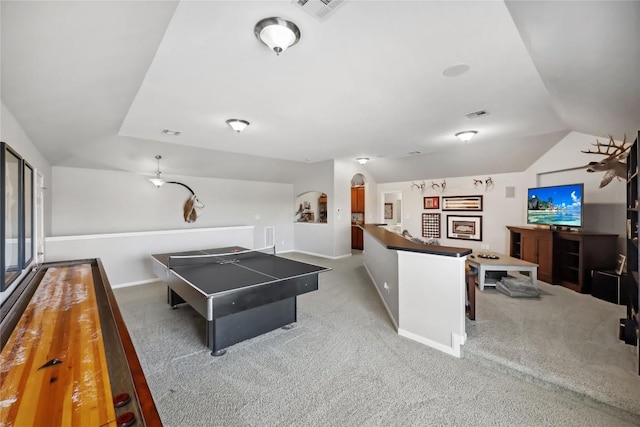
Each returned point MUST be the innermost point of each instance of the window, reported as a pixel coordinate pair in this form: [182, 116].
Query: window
[16, 207]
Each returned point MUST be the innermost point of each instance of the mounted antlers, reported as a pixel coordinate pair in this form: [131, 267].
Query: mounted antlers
[486, 184]
[189, 212]
[418, 186]
[440, 186]
[614, 165]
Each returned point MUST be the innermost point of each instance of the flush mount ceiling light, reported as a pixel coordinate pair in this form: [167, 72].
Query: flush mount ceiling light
[237, 124]
[277, 33]
[466, 135]
[362, 160]
[157, 181]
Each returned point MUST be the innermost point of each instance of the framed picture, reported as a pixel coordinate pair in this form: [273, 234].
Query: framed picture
[388, 210]
[621, 261]
[431, 225]
[432, 202]
[464, 227]
[462, 203]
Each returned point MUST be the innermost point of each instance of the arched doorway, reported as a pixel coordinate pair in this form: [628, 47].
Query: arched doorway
[358, 186]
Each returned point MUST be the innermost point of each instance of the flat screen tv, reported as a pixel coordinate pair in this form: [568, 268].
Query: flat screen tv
[558, 205]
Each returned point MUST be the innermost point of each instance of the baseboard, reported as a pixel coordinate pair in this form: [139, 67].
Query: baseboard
[139, 282]
[321, 255]
[452, 351]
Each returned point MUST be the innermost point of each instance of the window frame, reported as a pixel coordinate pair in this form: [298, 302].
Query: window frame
[21, 263]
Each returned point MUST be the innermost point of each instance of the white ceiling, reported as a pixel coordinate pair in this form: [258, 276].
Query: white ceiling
[94, 84]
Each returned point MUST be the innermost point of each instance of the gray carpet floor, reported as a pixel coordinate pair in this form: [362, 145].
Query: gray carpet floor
[343, 364]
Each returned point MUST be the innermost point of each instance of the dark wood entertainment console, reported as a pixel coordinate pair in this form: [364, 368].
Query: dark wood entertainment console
[564, 257]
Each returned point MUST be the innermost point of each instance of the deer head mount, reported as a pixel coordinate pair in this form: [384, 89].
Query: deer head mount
[614, 165]
[189, 212]
[486, 184]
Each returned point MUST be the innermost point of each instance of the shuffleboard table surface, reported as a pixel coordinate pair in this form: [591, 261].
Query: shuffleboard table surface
[60, 322]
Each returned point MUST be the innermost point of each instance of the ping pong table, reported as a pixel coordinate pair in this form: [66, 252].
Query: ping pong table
[241, 293]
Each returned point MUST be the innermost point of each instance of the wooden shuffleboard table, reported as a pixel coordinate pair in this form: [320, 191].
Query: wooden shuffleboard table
[67, 358]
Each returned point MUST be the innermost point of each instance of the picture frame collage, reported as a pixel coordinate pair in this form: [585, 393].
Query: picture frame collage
[459, 226]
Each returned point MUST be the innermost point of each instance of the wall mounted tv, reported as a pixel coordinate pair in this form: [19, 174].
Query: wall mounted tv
[558, 205]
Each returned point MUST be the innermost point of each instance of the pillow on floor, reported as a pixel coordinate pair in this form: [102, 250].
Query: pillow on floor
[517, 287]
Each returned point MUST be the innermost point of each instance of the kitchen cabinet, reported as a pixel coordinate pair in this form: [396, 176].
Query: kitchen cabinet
[357, 199]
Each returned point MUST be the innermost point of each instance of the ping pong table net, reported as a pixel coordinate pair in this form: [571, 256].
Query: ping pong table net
[219, 258]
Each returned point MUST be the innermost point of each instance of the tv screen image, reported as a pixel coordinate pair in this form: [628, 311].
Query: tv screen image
[558, 205]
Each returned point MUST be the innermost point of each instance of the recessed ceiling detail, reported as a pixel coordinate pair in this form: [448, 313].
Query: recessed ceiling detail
[456, 70]
[171, 132]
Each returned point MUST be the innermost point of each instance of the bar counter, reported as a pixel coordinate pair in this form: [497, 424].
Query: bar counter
[422, 287]
[396, 242]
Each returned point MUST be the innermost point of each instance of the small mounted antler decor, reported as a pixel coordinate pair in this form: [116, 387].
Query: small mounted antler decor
[440, 186]
[486, 184]
[418, 186]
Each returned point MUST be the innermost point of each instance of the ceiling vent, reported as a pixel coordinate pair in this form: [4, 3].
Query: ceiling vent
[319, 8]
[476, 114]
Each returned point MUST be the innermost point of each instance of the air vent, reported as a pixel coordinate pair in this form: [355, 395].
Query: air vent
[319, 8]
[476, 114]
[269, 236]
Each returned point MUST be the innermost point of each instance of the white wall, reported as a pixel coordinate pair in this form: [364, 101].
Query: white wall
[87, 201]
[126, 257]
[605, 208]
[316, 239]
[557, 167]
[344, 172]
[498, 211]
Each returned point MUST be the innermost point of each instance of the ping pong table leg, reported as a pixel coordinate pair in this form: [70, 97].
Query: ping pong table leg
[211, 339]
[173, 299]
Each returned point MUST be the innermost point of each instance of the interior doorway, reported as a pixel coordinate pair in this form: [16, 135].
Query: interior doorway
[358, 214]
[391, 209]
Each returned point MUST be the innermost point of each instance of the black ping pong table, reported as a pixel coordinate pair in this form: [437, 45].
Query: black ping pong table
[241, 293]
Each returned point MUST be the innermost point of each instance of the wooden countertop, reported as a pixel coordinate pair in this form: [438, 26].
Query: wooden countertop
[395, 241]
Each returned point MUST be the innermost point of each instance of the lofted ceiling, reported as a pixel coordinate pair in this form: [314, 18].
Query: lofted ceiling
[94, 83]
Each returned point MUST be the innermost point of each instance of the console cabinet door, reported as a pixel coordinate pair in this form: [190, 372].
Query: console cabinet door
[538, 248]
[545, 257]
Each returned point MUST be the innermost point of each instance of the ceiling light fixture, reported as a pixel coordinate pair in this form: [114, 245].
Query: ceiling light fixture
[237, 124]
[362, 160]
[466, 135]
[157, 181]
[277, 33]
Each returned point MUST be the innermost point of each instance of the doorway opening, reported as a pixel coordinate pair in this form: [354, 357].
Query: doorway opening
[391, 209]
